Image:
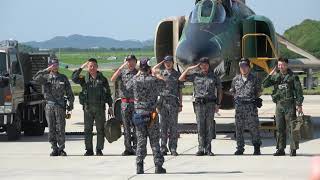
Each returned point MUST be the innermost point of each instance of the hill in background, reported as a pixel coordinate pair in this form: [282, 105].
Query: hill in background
[87, 42]
[306, 35]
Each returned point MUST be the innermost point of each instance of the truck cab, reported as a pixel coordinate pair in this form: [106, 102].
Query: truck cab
[21, 109]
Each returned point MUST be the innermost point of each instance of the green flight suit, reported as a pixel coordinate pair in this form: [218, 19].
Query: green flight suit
[287, 94]
[95, 93]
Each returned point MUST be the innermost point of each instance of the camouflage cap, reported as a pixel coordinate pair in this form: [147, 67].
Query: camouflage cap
[53, 61]
[168, 58]
[244, 61]
[145, 63]
[204, 60]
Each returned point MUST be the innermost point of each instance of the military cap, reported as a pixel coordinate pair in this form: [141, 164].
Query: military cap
[145, 63]
[131, 57]
[204, 60]
[244, 61]
[168, 58]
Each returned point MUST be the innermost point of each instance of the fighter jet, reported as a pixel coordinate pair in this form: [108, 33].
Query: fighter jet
[224, 31]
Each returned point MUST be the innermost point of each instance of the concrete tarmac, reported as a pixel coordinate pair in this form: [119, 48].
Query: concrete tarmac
[28, 158]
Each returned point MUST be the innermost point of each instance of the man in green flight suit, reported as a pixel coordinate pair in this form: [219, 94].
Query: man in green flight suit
[288, 96]
[95, 93]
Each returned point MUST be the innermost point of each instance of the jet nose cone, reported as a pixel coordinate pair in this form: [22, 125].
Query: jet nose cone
[189, 52]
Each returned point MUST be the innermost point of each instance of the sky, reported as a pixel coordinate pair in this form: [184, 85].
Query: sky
[39, 20]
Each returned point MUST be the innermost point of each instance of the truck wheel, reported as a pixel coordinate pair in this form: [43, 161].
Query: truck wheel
[34, 129]
[14, 129]
[39, 129]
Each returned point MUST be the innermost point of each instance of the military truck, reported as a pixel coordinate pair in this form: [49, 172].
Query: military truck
[21, 100]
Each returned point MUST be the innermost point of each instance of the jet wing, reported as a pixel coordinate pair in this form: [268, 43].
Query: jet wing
[300, 64]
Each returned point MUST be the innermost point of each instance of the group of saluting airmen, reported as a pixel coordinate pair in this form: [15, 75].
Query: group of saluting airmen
[150, 91]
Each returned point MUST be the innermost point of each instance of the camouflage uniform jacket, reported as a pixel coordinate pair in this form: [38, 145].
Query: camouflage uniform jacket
[146, 89]
[123, 78]
[204, 85]
[55, 86]
[173, 85]
[247, 90]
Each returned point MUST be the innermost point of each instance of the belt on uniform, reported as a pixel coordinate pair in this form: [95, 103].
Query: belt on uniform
[127, 100]
[286, 101]
[204, 100]
[170, 97]
[239, 102]
[54, 103]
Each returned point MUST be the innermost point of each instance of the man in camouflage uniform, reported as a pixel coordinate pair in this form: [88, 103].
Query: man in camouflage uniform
[127, 102]
[95, 94]
[56, 87]
[170, 104]
[288, 96]
[146, 89]
[246, 88]
[205, 83]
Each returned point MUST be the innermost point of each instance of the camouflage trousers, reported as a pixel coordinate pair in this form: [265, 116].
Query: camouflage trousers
[55, 116]
[94, 113]
[205, 124]
[286, 120]
[246, 117]
[130, 139]
[169, 125]
[143, 131]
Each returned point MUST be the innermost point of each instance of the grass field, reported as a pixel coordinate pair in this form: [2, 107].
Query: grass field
[77, 58]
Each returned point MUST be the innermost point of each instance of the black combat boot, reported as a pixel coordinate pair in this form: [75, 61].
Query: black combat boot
[209, 153]
[62, 153]
[89, 153]
[174, 153]
[54, 153]
[239, 152]
[160, 170]
[279, 152]
[200, 153]
[293, 152]
[140, 168]
[257, 150]
[99, 153]
[164, 151]
[128, 153]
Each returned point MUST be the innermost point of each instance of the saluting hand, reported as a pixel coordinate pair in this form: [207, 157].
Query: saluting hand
[193, 67]
[84, 65]
[273, 71]
[123, 65]
[138, 74]
[50, 67]
[160, 63]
